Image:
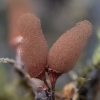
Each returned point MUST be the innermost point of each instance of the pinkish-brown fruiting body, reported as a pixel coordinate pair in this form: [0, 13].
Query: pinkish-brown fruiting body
[34, 48]
[16, 8]
[65, 52]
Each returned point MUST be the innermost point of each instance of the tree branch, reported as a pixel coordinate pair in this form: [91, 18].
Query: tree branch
[23, 75]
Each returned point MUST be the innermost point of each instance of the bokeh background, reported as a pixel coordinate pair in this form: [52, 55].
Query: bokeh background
[56, 17]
